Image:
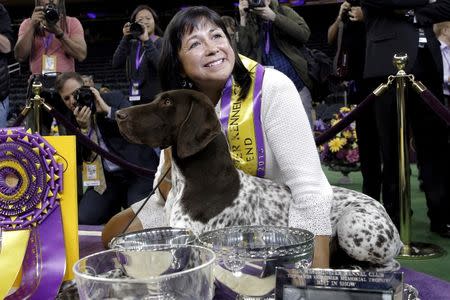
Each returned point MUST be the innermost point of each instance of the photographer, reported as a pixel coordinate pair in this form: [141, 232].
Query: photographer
[348, 33]
[109, 187]
[139, 50]
[50, 39]
[6, 42]
[273, 34]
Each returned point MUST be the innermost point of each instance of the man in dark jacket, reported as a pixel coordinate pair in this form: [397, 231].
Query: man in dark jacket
[406, 27]
[109, 186]
[273, 35]
[6, 42]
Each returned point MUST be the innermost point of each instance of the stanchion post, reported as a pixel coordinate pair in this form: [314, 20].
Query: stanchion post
[36, 104]
[411, 250]
[400, 61]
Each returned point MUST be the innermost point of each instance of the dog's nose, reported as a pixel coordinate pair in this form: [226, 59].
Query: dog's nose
[121, 115]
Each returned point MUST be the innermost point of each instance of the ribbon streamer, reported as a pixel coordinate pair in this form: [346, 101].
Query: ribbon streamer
[30, 191]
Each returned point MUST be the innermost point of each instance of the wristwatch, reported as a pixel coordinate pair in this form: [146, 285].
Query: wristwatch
[59, 35]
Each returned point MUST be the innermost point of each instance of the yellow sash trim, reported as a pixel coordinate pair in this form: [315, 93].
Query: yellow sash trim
[241, 129]
[13, 247]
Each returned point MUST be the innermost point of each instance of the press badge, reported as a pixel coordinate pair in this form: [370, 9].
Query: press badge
[48, 63]
[135, 93]
[91, 176]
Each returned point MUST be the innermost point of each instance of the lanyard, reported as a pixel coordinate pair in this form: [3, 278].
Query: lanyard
[48, 41]
[139, 57]
[445, 54]
[267, 27]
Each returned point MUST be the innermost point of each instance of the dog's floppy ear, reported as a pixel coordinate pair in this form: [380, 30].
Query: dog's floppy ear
[199, 128]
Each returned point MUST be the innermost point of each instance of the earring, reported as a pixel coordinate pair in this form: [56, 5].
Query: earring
[186, 84]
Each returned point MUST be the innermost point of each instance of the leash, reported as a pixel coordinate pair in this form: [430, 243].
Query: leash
[146, 200]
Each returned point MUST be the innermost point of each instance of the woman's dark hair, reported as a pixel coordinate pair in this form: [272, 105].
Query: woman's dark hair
[62, 15]
[158, 30]
[63, 77]
[184, 22]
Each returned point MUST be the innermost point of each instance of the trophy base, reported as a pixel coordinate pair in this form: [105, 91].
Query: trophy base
[418, 250]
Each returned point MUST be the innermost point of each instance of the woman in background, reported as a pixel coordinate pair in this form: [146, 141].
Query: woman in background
[139, 50]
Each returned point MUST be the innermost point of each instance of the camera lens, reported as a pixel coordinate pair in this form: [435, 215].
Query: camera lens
[256, 3]
[51, 14]
[136, 30]
[85, 97]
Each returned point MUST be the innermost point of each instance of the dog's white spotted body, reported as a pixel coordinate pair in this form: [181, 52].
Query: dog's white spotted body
[260, 201]
[361, 225]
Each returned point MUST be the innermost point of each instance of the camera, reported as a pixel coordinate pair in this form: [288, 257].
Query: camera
[256, 3]
[51, 13]
[85, 97]
[136, 30]
[345, 17]
[354, 2]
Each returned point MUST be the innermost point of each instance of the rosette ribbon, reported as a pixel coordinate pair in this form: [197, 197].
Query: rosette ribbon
[32, 238]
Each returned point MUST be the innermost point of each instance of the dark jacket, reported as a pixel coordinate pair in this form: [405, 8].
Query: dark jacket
[140, 155]
[290, 32]
[5, 29]
[390, 32]
[147, 74]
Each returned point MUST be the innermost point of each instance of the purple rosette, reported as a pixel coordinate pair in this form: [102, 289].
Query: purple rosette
[30, 179]
[31, 183]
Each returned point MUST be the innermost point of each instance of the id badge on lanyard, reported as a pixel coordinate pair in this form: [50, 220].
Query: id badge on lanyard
[135, 93]
[48, 61]
[91, 175]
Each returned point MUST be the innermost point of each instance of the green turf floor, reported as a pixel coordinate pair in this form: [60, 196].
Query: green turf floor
[438, 267]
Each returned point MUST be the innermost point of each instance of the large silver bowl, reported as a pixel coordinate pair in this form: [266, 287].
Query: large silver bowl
[158, 272]
[139, 240]
[247, 257]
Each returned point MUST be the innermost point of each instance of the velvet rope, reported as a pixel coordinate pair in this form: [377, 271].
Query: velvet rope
[438, 108]
[20, 118]
[332, 131]
[96, 148]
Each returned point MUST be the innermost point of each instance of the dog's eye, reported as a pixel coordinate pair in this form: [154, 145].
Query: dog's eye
[167, 102]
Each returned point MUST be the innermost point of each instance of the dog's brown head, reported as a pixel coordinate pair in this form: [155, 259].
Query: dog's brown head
[184, 118]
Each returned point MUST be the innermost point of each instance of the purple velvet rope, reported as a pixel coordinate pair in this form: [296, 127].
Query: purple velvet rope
[19, 120]
[331, 132]
[436, 106]
[102, 152]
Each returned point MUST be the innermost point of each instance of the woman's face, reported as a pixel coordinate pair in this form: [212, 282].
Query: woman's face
[66, 93]
[206, 56]
[145, 18]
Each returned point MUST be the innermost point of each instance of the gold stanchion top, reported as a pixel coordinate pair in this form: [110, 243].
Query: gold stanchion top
[36, 87]
[400, 61]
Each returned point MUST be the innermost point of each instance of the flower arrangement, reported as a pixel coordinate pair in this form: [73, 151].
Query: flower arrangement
[341, 152]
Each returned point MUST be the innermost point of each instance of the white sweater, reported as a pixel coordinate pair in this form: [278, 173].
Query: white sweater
[291, 159]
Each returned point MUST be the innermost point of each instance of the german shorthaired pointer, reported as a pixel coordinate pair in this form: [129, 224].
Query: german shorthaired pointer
[217, 195]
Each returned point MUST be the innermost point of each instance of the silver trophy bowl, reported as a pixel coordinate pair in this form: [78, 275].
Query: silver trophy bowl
[247, 257]
[140, 240]
[158, 272]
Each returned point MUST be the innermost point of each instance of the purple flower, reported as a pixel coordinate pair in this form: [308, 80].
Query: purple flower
[352, 156]
[341, 154]
[319, 125]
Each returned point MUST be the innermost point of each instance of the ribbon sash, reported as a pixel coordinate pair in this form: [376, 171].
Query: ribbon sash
[241, 121]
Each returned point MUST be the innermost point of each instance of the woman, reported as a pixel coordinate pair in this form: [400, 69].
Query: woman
[197, 53]
[139, 50]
